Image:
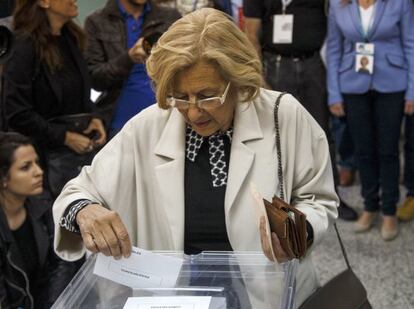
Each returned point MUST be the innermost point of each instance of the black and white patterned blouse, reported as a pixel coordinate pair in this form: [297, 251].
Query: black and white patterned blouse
[218, 167]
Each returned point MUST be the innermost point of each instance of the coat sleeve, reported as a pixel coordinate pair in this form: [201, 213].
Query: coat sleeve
[311, 187]
[333, 56]
[19, 103]
[110, 180]
[407, 26]
[4, 304]
[105, 73]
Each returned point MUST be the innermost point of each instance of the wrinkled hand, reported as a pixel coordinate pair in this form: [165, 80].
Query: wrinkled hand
[137, 52]
[409, 107]
[103, 231]
[78, 143]
[278, 251]
[337, 109]
[97, 126]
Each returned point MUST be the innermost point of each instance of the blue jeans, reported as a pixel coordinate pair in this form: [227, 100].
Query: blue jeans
[409, 155]
[343, 142]
[374, 121]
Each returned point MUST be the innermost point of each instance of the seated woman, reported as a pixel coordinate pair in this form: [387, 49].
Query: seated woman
[178, 175]
[31, 275]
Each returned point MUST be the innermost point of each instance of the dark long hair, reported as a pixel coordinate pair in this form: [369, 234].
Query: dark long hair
[9, 142]
[31, 20]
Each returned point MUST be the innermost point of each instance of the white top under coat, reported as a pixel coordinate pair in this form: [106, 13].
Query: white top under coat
[367, 17]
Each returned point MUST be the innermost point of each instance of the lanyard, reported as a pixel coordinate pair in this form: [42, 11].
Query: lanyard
[285, 4]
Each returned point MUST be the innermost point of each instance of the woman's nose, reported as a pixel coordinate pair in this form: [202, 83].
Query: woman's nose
[194, 112]
[38, 170]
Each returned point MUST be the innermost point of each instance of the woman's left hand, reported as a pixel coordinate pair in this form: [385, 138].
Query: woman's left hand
[278, 251]
[409, 107]
[97, 126]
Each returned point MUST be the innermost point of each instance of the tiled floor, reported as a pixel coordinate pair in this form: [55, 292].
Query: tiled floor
[385, 268]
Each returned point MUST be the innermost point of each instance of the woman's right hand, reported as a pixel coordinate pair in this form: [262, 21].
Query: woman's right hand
[78, 143]
[337, 109]
[103, 231]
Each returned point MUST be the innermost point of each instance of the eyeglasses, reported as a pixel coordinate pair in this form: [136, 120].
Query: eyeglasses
[208, 103]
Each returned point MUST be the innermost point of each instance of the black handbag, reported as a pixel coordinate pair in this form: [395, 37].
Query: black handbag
[63, 164]
[73, 122]
[345, 290]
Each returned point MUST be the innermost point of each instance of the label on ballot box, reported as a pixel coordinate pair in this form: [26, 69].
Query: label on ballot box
[165, 302]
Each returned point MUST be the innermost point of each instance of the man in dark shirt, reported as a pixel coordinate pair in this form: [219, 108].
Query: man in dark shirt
[115, 59]
[288, 34]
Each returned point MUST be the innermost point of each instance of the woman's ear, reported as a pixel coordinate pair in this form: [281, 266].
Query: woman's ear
[4, 181]
[43, 4]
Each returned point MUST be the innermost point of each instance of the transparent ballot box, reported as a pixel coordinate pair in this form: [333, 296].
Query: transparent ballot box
[231, 280]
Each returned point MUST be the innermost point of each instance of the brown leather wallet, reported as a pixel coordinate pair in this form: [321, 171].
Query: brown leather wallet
[289, 224]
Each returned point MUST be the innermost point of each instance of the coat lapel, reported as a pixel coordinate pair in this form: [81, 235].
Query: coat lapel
[82, 67]
[246, 128]
[55, 82]
[379, 12]
[353, 11]
[37, 208]
[169, 171]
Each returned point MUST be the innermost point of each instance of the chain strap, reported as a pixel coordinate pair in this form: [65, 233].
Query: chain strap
[280, 171]
[278, 148]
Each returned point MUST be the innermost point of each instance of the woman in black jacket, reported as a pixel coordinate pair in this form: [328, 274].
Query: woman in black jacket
[46, 78]
[31, 275]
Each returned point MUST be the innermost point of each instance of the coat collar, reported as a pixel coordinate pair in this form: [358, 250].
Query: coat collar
[353, 11]
[112, 9]
[36, 208]
[170, 151]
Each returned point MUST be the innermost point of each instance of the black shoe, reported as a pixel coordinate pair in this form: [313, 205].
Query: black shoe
[346, 212]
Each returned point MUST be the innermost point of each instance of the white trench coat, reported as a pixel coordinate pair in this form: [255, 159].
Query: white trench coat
[140, 174]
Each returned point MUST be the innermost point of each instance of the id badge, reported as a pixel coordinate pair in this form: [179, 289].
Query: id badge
[364, 58]
[283, 29]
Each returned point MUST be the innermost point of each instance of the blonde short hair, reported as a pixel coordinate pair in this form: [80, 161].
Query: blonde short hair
[205, 35]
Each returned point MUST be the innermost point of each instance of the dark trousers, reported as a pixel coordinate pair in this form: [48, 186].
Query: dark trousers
[409, 155]
[374, 121]
[305, 79]
[343, 142]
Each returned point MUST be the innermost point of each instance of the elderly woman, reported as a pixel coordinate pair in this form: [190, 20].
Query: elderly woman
[177, 177]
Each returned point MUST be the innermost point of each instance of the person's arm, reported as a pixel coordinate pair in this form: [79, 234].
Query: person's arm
[111, 175]
[105, 73]
[253, 11]
[334, 51]
[253, 29]
[19, 105]
[4, 304]
[313, 190]
[407, 33]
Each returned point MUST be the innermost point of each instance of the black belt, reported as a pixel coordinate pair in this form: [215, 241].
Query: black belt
[301, 56]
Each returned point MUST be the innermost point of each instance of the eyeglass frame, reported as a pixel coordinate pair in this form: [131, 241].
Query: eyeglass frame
[172, 101]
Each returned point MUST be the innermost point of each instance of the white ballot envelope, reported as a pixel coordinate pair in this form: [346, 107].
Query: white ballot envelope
[143, 269]
[168, 302]
[260, 210]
